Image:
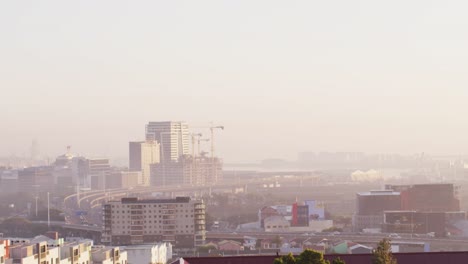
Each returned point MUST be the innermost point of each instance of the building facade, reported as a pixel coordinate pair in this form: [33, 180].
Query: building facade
[179, 221]
[187, 171]
[108, 255]
[437, 197]
[32, 179]
[173, 138]
[152, 253]
[370, 207]
[141, 155]
[90, 172]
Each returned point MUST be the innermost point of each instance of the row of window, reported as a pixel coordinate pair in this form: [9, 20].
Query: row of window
[160, 232]
[154, 216]
[149, 205]
[159, 211]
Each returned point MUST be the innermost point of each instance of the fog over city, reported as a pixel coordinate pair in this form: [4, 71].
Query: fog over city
[282, 77]
[261, 131]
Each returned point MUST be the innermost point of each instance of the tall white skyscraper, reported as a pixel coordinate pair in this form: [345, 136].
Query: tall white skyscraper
[172, 136]
[141, 156]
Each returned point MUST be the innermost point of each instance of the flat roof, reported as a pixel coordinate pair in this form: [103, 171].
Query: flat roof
[135, 200]
[378, 192]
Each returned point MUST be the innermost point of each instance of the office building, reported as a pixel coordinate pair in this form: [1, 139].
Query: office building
[179, 221]
[123, 179]
[187, 171]
[173, 138]
[370, 207]
[9, 182]
[35, 179]
[90, 172]
[141, 156]
[437, 197]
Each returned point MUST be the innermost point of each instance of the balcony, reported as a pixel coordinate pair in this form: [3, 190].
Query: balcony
[200, 206]
[168, 211]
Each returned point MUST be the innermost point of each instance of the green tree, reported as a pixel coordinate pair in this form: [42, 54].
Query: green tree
[338, 261]
[311, 257]
[306, 257]
[287, 259]
[382, 254]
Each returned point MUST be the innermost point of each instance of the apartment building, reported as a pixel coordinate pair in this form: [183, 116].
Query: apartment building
[108, 255]
[51, 249]
[130, 221]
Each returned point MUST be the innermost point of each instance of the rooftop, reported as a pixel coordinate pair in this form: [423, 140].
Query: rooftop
[379, 192]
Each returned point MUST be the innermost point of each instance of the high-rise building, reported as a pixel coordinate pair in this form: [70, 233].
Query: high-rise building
[180, 221]
[172, 136]
[141, 156]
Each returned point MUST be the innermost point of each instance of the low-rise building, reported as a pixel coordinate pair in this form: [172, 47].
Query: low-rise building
[155, 253]
[4, 251]
[108, 255]
[33, 253]
[230, 245]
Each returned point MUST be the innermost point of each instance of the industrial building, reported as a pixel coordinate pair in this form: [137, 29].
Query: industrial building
[436, 197]
[370, 207]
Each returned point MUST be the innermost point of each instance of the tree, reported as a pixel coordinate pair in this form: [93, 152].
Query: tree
[311, 257]
[287, 259]
[306, 257]
[382, 254]
[338, 261]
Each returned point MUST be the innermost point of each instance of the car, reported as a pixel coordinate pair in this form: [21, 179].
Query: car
[394, 236]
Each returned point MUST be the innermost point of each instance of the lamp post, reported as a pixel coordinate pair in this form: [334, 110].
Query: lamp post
[36, 204]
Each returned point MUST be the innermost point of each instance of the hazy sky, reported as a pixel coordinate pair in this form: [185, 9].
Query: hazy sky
[282, 76]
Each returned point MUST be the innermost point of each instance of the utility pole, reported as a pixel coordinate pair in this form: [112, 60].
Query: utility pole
[48, 210]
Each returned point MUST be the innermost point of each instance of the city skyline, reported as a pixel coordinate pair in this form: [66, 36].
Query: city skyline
[283, 78]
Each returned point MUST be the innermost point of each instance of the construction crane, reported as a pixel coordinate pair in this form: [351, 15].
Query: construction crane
[198, 136]
[199, 149]
[212, 128]
[215, 171]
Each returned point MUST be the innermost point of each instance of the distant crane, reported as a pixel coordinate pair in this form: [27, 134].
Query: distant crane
[199, 149]
[213, 167]
[198, 136]
[212, 128]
